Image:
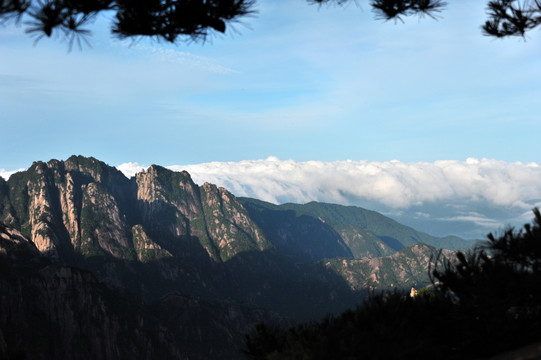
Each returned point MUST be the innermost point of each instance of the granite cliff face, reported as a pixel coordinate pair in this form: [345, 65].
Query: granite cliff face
[404, 269]
[66, 207]
[86, 207]
[158, 233]
[53, 311]
[100, 255]
[172, 206]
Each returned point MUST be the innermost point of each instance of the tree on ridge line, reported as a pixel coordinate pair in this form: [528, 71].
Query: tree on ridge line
[484, 303]
[170, 20]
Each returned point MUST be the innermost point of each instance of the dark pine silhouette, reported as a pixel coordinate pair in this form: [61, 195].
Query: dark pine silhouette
[170, 20]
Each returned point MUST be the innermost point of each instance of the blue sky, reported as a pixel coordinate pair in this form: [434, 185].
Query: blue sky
[296, 82]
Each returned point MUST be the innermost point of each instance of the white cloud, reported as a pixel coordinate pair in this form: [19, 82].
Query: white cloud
[130, 168]
[395, 184]
[476, 218]
[466, 198]
[6, 174]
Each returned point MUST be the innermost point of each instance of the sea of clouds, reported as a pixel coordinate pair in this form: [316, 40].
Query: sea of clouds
[466, 198]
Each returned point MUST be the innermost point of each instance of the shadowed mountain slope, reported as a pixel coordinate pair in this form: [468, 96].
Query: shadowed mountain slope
[54, 311]
[158, 250]
[344, 231]
[158, 233]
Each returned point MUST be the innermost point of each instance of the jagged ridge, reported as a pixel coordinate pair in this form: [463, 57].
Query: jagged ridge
[160, 233]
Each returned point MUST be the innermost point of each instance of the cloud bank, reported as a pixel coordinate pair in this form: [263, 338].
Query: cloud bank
[5, 174]
[395, 184]
[466, 198]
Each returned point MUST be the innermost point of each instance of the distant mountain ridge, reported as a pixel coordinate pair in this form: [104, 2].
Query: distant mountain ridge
[158, 234]
[348, 230]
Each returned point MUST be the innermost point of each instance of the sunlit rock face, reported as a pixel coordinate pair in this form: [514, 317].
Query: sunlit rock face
[159, 232]
[86, 207]
[171, 202]
[72, 206]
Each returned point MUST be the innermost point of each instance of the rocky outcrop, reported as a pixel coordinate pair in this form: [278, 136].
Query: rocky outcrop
[173, 206]
[70, 209]
[402, 270]
[14, 246]
[228, 224]
[103, 226]
[41, 212]
[51, 311]
[160, 233]
[145, 248]
[46, 203]
[83, 206]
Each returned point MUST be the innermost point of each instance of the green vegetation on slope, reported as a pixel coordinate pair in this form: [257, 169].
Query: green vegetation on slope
[401, 271]
[485, 302]
[360, 232]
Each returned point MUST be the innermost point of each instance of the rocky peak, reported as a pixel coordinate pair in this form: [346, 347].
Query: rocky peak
[88, 166]
[145, 248]
[103, 226]
[13, 244]
[171, 200]
[47, 202]
[404, 269]
[41, 213]
[229, 224]
[169, 203]
[160, 184]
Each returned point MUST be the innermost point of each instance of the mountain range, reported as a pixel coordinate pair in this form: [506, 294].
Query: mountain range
[98, 265]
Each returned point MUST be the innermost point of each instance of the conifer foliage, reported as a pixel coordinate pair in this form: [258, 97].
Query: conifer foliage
[511, 17]
[171, 20]
[161, 19]
[485, 302]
